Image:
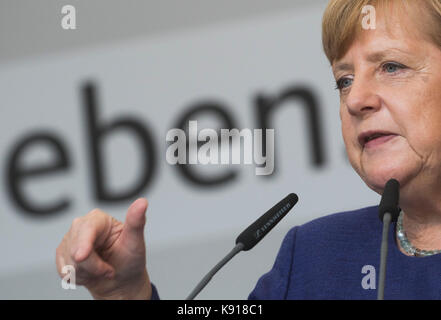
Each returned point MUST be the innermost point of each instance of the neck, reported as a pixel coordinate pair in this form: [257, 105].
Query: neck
[422, 218]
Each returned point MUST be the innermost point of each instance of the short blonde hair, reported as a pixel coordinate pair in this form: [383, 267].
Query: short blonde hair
[342, 22]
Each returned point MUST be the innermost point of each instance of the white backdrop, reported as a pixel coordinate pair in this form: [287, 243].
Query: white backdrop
[155, 79]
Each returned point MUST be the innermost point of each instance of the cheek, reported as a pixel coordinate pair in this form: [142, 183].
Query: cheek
[350, 140]
[347, 138]
[428, 129]
[420, 121]
[347, 129]
[345, 124]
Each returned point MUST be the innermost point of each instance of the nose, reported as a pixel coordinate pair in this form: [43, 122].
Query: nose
[363, 98]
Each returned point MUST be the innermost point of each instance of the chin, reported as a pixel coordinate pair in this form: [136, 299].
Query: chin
[377, 175]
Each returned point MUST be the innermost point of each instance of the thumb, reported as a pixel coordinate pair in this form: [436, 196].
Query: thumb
[133, 231]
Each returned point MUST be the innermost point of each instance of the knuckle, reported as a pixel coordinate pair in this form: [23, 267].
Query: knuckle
[95, 212]
[58, 251]
[60, 273]
[59, 266]
[60, 254]
[77, 221]
[72, 254]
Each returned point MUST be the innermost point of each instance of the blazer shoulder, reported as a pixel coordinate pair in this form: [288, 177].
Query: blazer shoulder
[342, 222]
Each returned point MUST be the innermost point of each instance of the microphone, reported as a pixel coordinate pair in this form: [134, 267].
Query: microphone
[251, 236]
[388, 212]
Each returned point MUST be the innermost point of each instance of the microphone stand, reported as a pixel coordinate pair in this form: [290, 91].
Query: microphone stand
[201, 285]
[388, 212]
[384, 249]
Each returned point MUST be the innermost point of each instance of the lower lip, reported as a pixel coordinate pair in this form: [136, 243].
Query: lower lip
[379, 141]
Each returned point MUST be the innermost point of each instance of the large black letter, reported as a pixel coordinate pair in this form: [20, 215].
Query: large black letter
[182, 123]
[98, 132]
[16, 173]
[266, 105]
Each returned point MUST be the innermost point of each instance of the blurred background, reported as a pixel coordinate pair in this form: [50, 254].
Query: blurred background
[85, 112]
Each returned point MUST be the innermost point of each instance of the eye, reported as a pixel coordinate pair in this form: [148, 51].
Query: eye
[343, 83]
[392, 67]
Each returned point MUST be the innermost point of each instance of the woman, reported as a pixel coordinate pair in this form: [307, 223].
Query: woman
[389, 79]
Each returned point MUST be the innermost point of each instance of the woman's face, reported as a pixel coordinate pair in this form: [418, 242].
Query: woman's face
[390, 92]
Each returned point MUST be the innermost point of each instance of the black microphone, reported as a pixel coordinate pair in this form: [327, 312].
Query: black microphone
[251, 236]
[388, 212]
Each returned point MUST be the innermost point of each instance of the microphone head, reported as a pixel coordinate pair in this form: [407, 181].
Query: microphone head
[389, 200]
[256, 231]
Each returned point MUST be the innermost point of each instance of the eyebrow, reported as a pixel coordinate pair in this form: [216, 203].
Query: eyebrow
[379, 56]
[343, 67]
[372, 57]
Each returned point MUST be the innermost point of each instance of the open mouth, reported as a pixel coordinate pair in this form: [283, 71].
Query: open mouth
[374, 138]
